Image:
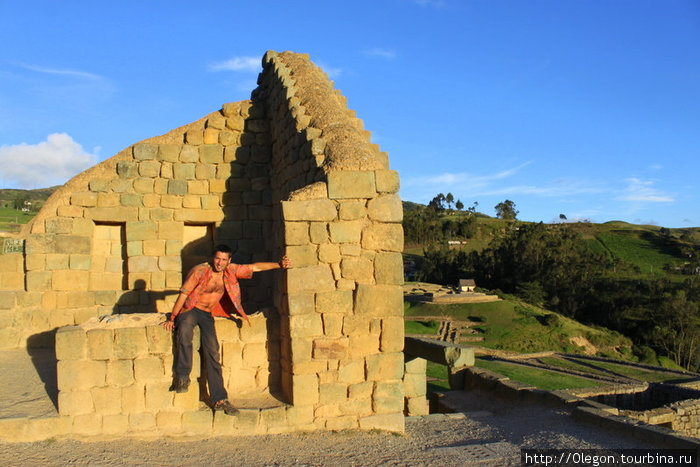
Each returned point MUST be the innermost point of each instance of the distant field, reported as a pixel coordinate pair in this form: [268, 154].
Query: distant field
[10, 217]
[542, 379]
[646, 251]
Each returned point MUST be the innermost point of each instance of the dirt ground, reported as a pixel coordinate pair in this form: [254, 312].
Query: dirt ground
[487, 432]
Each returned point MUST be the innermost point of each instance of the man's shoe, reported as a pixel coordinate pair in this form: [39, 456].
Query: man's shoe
[226, 406]
[180, 385]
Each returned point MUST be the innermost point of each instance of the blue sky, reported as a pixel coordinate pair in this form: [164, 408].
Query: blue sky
[587, 108]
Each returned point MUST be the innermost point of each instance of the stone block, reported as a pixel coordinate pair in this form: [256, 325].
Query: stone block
[296, 233]
[300, 303]
[392, 337]
[80, 374]
[145, 151]
[155, 247]
[381, 236]
[199, 422]
[84, 199]
[81, 262]
[300, 415]
[58, 225]
[141, 264]
[305, 326]
[332, 393]
[56, 262]
[223, 424]
[310, 279]
[332, 324]
[352, 209]
[87, 424]
[248, 420]
[357, 268]
[415, 365]
[309, 210]
[141, 185]
[120, 372]
[188, 400]
[345, 231]
[379, 300]
[142, 421]
[199, 215]
[417, 406]
[133, 398]
[325, 348]
[141, 230]
[363, 344]
[73, 244]
[158, 396]
[335, 301]
[304, 389]
[115, 424]
[388, 268]
[170, 230]
[40, 429]
[130, 343]
[329, 253]
[211, 153]
[302, 255]
[159, 340]
[75, 402]
[415, 385]
[169, 420]
[385, 366]
[35, 262]
[385, 208]
[211, 136]
[389, 422]
[388, 397]
[351, 184]
[318, 232]
[61, 317]
[107, 400]
[194, 137]
[351, 371]
[255, 354]
[169, 152]
[71, 343]
[148, 368]
[387, 181]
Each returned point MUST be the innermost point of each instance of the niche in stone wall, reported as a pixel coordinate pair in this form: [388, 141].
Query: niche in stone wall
[197, 245]
[108, 261]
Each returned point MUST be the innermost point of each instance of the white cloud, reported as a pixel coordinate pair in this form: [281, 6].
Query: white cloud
[380, 53]
[249, 64]
[642, 191]
[51, 162]
[56, 71]
[332, 73]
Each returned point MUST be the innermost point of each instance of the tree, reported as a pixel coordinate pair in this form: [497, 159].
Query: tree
[562, 217]
[449, 199]
[506, 210]
[459, 206]
[20, 201]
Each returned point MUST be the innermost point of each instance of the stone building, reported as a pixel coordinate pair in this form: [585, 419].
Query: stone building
[290, 171]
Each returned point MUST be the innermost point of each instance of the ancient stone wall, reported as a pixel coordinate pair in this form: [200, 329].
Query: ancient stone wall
[289, 172]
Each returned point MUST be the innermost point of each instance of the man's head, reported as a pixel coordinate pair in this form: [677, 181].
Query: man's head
[222, 257]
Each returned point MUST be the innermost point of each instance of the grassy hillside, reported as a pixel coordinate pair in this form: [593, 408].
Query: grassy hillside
[516, 326]
[11, 219]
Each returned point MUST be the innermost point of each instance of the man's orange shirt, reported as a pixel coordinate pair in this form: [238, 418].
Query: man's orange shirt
[198, 277]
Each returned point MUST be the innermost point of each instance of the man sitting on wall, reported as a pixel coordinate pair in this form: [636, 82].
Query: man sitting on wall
[199, 301]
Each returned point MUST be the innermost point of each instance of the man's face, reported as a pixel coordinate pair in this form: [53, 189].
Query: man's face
[221, 260]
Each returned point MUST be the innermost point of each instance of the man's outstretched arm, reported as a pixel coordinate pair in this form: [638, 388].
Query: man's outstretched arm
[284, 263]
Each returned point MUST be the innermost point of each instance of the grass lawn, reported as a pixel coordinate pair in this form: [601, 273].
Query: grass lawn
[10, 216]
[638, 373]
[438, 371]
[646, 251]
[542, 379]
[421, 327]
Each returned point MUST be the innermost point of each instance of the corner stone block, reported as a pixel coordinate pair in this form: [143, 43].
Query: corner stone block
[304, 326]
[417, 406]
[388, 397]
[388, 268]
[351, 184]
[415, 385]
[322, 210]
[71, 343]
[382, 236]
[302, 255]
[389, 422]
[385, 208]
[386, 366]
[301, 303]
[80, 374]
[415, 365]
[387, 181]
[75, 402]
[130, 343]
[296, 233]
[379, 300]
[310, 279]
[392, 337]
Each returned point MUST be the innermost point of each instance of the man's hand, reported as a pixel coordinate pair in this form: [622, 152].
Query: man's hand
[285, 263]
[168, 325]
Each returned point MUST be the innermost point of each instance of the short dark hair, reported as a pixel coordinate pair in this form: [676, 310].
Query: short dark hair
[222, 248]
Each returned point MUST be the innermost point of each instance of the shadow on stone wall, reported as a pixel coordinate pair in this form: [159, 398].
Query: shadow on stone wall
[41, 349]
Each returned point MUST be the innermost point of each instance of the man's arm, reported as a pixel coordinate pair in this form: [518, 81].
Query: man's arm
[284, 263]
[169, 324]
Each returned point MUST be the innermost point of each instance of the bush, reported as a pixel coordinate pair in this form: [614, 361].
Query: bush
[645, 354]
[551, 320]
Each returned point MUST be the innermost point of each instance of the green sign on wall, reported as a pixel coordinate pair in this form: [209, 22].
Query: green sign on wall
[13, 245]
